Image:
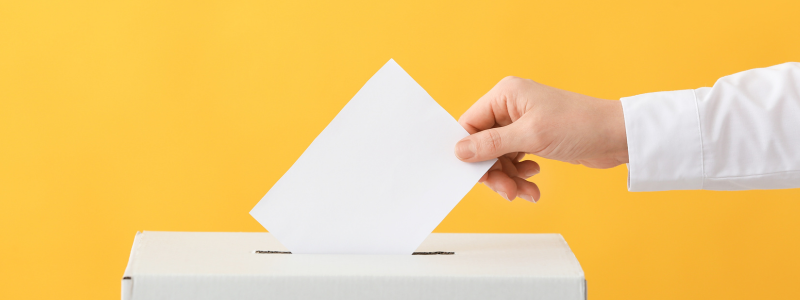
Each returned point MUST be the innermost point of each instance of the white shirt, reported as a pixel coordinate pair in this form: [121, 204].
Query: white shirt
[742, 133]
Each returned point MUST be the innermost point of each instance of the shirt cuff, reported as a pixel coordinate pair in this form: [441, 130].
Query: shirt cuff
[665, 149]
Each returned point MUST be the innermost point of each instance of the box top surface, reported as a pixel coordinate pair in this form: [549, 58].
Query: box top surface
[234, 253]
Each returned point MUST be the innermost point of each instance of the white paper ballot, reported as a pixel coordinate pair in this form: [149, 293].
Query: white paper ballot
[377, 180]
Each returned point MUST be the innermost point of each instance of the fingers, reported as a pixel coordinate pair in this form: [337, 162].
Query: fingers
[507, 166]
[484, 177]
[490, 143]
[496, 108]
[495, 166]
[526, 169]
[520, 156]
[499, 182]
[491, 121]
[527, 190]
[507, 179]
[481, 115]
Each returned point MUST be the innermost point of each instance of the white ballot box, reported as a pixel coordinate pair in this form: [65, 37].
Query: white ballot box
[245, 266]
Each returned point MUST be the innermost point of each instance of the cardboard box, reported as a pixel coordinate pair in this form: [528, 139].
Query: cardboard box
[238, 265]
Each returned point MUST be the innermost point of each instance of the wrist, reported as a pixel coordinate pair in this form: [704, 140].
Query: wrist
[614, 122]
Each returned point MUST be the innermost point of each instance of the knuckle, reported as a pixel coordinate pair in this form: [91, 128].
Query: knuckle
[515, 82]
[511, 81]
[492, 141]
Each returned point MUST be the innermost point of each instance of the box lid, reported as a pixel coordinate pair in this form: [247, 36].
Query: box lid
[239, 265]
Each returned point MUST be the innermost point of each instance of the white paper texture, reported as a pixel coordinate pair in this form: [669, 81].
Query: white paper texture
[377, 180]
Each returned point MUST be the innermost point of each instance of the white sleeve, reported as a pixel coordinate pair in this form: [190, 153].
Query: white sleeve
[742, 133]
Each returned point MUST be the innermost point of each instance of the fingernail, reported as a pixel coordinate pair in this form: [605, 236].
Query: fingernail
[465, 149]
[527, 197]
[504, 195]
[528, 175]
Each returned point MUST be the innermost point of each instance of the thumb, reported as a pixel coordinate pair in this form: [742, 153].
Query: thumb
[488, 144]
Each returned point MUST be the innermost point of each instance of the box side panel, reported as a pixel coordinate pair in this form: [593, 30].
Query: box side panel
[210, 287]
[585, 290]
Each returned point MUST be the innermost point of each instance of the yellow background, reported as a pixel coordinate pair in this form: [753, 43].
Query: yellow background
[119, 116]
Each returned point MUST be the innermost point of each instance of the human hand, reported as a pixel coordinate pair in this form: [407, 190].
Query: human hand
[520, 116]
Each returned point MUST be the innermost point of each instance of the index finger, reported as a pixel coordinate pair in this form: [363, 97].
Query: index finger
[481, 115]
[493, 109]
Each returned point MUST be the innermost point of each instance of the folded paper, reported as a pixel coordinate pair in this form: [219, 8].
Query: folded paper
[377, 180]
